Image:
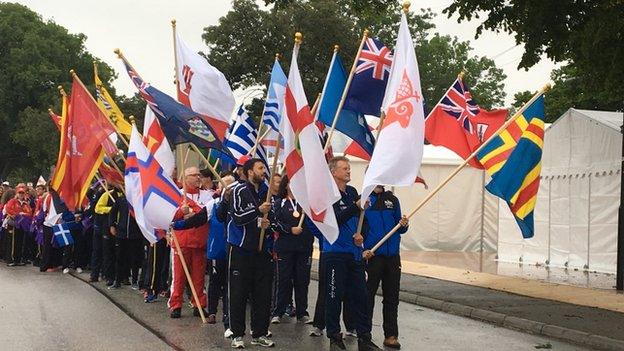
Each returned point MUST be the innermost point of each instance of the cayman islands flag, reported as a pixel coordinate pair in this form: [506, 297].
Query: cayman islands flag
[310, 180]
[514, 161]
[151, 193]
[399, 149]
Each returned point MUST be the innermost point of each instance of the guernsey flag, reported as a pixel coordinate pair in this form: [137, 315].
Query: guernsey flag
[513, 159]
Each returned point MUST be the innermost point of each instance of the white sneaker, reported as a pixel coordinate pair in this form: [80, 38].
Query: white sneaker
[305, 320]
[269, 334]
[276, 320]
[238, 343]
[228, 333]
[316, 332]
[352, 333]
[79, 270]
[66, 270]
[262, 341]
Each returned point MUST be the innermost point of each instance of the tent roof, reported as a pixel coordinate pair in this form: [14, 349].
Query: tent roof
[609, 119]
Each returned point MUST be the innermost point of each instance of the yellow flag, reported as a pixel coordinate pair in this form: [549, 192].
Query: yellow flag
[108, 105]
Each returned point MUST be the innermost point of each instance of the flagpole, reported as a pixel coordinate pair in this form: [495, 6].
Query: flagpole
[255, 147]
[462, 165]
[75, 76]
[210, 167]
[112, 117]
[103, 182]
[268, 196]
[345, 91]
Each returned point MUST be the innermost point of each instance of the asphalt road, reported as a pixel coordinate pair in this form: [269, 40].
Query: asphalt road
[53, 312]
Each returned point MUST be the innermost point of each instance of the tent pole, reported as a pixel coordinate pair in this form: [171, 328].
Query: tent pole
[619, 280]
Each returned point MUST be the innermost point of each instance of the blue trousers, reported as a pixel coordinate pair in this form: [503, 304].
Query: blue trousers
[346, 282]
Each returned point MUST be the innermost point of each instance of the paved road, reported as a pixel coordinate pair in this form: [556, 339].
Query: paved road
[420, 329]
[50, 311]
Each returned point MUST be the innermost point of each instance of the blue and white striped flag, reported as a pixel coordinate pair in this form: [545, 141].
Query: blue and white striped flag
[242, 137]
[274, 105]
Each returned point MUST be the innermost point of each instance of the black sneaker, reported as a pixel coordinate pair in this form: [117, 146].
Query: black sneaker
[176, 313]
[12, 264]
[126, 282]
[115, 285]
[110, 282]
[196, 312]
[366, 344]
[335, 342]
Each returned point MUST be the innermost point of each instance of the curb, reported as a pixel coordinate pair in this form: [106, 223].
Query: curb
[510, 322]
[128, 313]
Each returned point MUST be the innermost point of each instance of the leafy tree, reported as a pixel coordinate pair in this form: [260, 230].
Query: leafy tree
[246, 59]
[587, 35]
[35, 56]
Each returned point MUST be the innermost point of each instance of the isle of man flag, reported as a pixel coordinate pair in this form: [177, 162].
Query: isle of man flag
[310, 180]
[398, 152]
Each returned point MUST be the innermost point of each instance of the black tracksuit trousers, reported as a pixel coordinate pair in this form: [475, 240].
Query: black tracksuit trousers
[387, 270]
[293, 271]
[250, 276]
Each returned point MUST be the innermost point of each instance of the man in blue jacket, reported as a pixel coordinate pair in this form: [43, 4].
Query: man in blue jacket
[346, 280]
[384, 265]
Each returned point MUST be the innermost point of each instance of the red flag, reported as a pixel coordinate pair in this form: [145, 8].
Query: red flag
[85, 130]
[459, 124]
[55, 118]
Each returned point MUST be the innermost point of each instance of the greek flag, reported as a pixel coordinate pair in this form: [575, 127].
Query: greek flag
[276, 89]
[62, 235]
[242, 137]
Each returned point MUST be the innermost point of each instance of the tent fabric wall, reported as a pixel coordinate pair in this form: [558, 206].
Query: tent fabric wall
[577, 210]
[461, 217]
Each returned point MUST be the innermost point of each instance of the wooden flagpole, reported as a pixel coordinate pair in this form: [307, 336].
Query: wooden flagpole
[268, 196]
[461, 166]
[345, 91]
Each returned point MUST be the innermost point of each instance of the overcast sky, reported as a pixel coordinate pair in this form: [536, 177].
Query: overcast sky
[142, 30]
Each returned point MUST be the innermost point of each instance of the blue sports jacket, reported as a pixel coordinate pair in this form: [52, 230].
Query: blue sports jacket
[382, 215]
[347, 214]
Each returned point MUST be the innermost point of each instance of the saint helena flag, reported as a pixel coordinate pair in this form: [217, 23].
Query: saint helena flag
[514, 160]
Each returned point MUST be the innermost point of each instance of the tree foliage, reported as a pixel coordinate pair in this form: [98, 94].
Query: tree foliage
[35, 56]
[245, 40]
[587, 35]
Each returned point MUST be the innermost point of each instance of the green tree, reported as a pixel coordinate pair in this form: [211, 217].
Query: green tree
[245, 40]
[36, 56]
[587, 35]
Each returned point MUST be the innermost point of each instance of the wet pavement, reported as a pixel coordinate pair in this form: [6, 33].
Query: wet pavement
[51, 311]
[419, 328]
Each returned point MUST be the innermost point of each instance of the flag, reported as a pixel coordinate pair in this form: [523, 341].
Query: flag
[85, 132]
[398, 153]
[310, 180]
[54, 207]
[55, 118]
[513, 160]
[203, 88]
[350, 123]
[108, 105]
[274, 105]
[370, 78]
[109, 173]
[62, 235]
[242, 138]
[151, 194]
[179, 123]
[60, 178]
[459, 124]
[156, 142]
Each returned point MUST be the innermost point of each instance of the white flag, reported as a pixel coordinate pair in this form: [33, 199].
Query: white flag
[398, 152]
[203, 88]
[310, 180]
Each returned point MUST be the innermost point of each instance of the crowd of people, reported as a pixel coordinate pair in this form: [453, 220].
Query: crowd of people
[254, 252]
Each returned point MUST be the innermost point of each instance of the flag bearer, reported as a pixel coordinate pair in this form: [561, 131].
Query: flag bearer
[345, 276]
[385, 264]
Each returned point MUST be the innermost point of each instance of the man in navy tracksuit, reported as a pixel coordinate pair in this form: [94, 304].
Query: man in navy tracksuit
[385, 265]
[346, 280]
[250, 269]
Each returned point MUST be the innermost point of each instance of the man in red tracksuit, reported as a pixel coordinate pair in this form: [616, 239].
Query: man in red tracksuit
[193, 245]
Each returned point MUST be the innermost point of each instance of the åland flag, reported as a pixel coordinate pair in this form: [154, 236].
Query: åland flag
[513, 159]
[152, 194]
